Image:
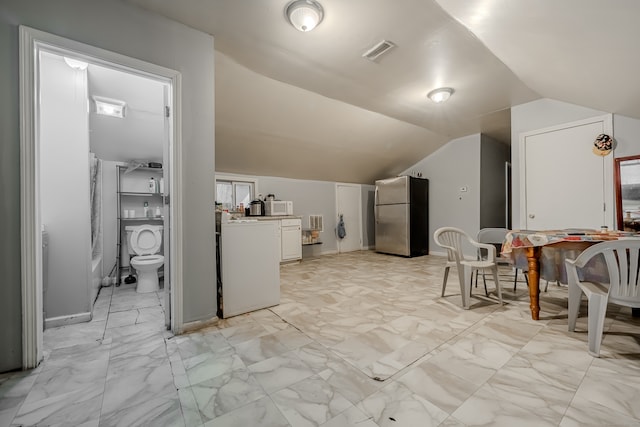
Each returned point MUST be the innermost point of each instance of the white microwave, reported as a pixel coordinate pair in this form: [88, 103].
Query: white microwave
[278, 208]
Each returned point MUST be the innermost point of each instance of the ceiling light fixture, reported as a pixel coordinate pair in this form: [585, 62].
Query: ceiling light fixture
[75, 63]
[440, 95]
[304, 15]
[109, 107]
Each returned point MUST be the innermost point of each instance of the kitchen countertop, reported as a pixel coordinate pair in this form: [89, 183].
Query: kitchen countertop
[270, 218]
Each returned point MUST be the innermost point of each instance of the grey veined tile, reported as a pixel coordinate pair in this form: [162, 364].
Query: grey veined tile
[210, 365]
[74, 408]
[226, 392]
[280, 371]
[135, 387]
[261, 413]
[155, 411]
[395, 405]
[310, 402]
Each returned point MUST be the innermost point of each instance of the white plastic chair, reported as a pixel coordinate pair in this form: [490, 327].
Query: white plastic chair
[451, 239]
[496, 236]
[622, 258]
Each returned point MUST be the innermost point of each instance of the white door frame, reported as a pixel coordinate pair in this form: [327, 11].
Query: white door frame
[359, 187]
[607, 125]
[31, 42]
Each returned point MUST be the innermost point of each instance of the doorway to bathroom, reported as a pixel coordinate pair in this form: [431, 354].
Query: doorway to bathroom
[103, 127]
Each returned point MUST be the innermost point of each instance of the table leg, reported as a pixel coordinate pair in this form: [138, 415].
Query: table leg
[533, 258]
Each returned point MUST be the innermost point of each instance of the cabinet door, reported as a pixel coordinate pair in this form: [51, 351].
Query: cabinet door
[291, 242]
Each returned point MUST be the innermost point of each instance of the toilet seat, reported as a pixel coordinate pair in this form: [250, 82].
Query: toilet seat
[142, 260]
[146, 240]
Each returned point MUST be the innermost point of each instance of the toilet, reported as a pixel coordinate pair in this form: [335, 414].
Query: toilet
[144, 242]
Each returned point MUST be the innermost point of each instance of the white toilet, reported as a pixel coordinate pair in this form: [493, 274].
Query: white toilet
[145, 241]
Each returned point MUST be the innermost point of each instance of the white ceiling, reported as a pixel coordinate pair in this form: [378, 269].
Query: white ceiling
[307, 105]
[139, 135]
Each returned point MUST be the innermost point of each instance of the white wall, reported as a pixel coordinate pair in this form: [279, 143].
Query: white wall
[626, 132]
[315, 198]
[64, 181]
[548, 112]
[129, 30]
[455, 165]
[538, 115]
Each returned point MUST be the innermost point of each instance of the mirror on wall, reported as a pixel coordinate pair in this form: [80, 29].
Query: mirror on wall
[627, 170]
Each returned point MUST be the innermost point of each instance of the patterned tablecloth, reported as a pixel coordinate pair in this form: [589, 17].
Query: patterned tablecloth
[556, 248]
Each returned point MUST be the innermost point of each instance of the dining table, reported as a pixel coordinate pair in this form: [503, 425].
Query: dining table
[542, 255]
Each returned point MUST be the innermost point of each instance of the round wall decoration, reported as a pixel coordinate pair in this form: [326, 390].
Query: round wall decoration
[602, 145]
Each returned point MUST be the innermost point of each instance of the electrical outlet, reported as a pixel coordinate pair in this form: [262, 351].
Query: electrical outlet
[463, 189]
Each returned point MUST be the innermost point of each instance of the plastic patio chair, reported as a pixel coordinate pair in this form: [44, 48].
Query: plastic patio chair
[496, 236]
[622, 258]
[451, 239]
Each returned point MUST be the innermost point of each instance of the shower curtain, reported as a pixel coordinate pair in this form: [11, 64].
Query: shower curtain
[96, 205]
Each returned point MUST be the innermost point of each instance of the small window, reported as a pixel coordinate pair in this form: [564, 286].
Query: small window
[231, 194]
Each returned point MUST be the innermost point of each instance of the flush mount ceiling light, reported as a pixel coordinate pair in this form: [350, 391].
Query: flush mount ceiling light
[75, 63]
[440, 95]
[109, 107]
[304, 15]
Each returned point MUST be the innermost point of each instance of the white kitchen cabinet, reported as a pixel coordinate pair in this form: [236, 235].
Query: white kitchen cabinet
[291, 239]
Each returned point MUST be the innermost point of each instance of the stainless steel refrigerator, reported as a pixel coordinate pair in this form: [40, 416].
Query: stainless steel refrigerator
[402, 216]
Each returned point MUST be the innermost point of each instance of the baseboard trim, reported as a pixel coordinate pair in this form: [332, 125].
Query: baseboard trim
[54, 322]
[437, 253]
[329, 252]
[199, 324]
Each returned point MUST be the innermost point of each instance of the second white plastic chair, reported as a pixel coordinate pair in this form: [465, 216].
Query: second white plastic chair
[622, 258]
[451, 239]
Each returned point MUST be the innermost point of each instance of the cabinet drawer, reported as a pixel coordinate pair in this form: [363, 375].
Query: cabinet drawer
[288, 222]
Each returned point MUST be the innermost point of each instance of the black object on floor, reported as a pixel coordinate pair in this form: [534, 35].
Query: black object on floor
[129, 279]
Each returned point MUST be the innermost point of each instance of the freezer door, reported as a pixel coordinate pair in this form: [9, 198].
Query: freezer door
[393, 190]
[392, 229]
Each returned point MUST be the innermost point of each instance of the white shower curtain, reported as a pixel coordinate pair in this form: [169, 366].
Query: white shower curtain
[96, 205]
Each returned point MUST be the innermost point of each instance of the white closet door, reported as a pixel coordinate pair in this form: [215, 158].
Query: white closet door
[563, 183]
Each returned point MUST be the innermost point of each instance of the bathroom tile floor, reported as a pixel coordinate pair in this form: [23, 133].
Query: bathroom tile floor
[342, 320]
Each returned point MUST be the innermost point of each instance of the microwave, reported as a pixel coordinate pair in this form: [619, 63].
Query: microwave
[278, 208]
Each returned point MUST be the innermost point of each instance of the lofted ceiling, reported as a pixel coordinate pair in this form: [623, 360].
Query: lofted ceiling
[308, 106]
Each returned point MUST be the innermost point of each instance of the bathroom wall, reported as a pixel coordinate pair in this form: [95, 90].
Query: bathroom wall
[64, 187]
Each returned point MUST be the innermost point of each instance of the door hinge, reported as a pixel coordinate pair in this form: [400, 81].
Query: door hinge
[167, 111]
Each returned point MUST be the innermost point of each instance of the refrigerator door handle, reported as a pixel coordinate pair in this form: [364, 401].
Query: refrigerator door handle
[375, 204]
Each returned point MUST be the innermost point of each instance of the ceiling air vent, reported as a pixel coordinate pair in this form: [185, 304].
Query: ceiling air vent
[379, 49]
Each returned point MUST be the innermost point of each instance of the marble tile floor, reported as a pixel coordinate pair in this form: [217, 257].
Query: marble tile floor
[310, 361]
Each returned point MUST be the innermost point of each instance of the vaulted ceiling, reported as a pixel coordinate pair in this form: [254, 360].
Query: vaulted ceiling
[309, 106]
